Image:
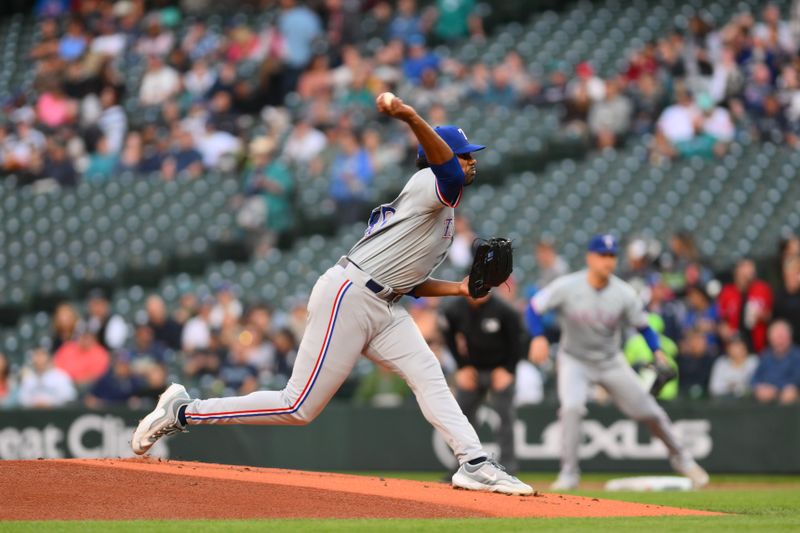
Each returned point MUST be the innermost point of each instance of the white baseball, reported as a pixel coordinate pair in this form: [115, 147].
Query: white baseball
[386, 99]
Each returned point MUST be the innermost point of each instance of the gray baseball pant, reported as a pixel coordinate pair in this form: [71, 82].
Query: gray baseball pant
[619, 379]
[346, 320]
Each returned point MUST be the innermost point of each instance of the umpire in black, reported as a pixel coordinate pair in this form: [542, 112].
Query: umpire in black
[485, 338]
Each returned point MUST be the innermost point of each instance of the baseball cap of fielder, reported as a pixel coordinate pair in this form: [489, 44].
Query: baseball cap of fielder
[603, 244]
[456, 139]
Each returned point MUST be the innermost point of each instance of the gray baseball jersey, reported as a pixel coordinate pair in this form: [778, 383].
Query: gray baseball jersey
[591, 320]
[407, 239]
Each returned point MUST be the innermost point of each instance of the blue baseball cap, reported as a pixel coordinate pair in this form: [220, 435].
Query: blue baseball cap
[456, 139]
[603, 244]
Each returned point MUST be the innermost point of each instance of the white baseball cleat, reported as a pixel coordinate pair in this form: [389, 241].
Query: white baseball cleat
[565, 482]
[162, 421]
[489, 476]
[692, 470]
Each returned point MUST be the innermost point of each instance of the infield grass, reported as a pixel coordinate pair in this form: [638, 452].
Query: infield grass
[771, 503]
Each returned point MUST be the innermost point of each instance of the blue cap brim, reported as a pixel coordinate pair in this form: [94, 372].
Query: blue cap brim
[469, 148]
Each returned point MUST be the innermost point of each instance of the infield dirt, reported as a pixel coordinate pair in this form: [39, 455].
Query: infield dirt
[81, 489]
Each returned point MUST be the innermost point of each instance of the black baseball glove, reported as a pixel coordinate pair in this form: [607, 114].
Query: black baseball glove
[664, 374]
[491, 266]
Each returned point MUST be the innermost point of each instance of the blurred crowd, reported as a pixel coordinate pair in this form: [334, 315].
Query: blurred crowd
[290, 98]
[128, 88]
[730, 335]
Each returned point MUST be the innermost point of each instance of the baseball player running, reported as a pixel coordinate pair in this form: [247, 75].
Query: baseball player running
[593, 306]
[353, 310]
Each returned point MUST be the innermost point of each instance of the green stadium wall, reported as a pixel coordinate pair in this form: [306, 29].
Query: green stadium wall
[725, 438]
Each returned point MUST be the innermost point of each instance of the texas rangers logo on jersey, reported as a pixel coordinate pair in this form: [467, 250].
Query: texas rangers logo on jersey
[448, 228]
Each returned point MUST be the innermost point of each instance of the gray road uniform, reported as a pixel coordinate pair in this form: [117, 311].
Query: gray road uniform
[353, 311]
[591, 323]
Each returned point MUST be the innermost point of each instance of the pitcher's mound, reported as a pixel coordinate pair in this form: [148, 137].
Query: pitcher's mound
[151, 489]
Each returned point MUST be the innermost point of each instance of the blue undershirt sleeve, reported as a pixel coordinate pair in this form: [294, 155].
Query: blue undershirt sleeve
[651, 337]
[534, 322]
[449, 181]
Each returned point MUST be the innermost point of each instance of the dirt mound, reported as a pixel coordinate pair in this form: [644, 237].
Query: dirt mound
[151, 489]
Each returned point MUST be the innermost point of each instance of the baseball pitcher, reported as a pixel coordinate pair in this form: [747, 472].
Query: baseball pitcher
[353, 310]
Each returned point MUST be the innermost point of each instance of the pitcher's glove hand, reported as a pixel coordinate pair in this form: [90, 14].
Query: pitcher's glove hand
[491, 266]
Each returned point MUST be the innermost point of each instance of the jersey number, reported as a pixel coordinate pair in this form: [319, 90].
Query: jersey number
[378, 218]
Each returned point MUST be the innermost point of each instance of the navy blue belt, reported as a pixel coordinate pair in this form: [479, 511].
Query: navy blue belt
[384, 293]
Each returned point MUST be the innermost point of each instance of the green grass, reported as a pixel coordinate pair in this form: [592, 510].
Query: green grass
[752, 509]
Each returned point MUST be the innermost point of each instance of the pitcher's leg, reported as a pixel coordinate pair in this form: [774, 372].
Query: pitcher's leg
[330, 347]
[401, 348]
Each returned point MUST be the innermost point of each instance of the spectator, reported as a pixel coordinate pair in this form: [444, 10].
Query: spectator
[197, 330]
[199, 80]
[777, 377]
[787, 301]
[84, 359]
[54, 109]
[549, 263]
[145, 347]
[109, 328]
[727, 80]
[745, 306]
[22, 145]
[639, 268]
[351, 176]
[73, 44]
[165, 328]
[159, 83]
[694, 365]
[102, 163]
[675, 128]
[383, 153]
[65, 322]
[732, 373]
[217, 146]
[716, 124]
[8, 392]
[301, 28]
[131, 158]
[156, 41]
[118, 386]
[418, 60]
[199, 42]
[701, 315]
[771, 123]
[269, 181]
[44, 385]
[188, 161]
[406, 24]
[460, 253]
[285, 344]
[456, 19]
[237, 373]
[773, 27]
[110, 42]
[113, 122]
[228, 308]
[757, 89]
[304, 143]
[58, 167]
[610, 118]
